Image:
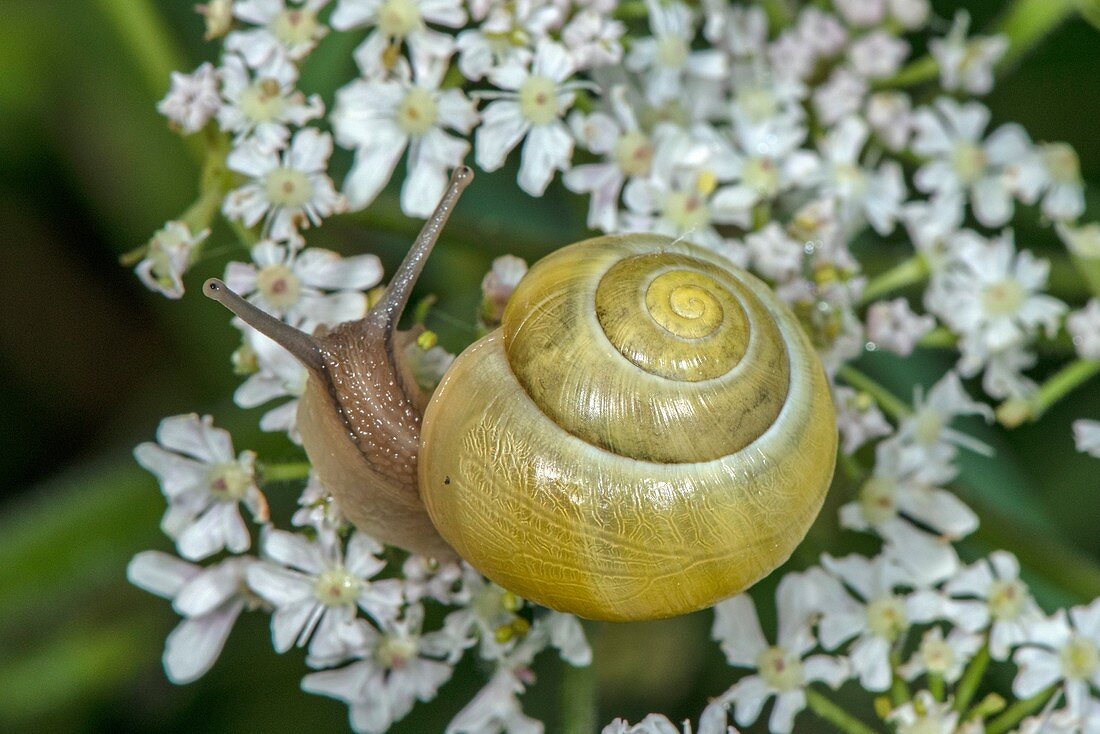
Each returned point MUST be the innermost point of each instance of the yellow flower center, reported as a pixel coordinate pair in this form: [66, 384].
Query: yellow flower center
[228, 482]
[287, 187]
[969, 162]
[394, 652]
[779, 669]
[279, 286]
[886, 617]
[398, 18]
[1080, 658]
[336, 587]
[757, 104]
[634, 153]
[761, 175]
[1062, 162]
[1003, 298]
[294, 27]
[672, 51]
[877, 500]
[538, 100]
[937, 655]
[686, 210]
[263, 101]
[417, 112]
[1006, 599]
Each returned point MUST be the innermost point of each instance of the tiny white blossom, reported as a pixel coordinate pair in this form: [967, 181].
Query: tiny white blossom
[966, 64]
[393, 668]
[783, 670]
[316, 587]
[858, 417]
[209, 599]
[496, 709]
[1063, 649]
[1084, 241]
[204, 484]
[1084, 328]
[394, 22]
[288, 191]
[841, 95]
[925, 715]
[944, 657]
[667, 58]
[1086, 436]
[192, 100]
[497, 286]
[876, 195]
[929, 431]
[861, 13]
[890, 116]
[317, 508]
[295, 286]
[289, 27]
[1064, 200]
[593, 39]
[167, 257]
[427, 578]
[531, 108]
[506, 37]
[894, 326]
[277, 374]
[262, 104]
[380, 118]
[911, 14]
[878, 54]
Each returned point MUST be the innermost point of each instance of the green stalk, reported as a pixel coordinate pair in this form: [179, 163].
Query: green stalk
[935, 686]
[287, 472]
[579, 710]
[1016, 713]
[1061, 384]
[892, 405]
[830, 712]
[908, 272]
[971, 679]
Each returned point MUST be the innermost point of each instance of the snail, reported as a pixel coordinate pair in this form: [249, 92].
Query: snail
[649, 431]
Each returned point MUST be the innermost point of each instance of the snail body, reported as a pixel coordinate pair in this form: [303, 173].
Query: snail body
[648, 432]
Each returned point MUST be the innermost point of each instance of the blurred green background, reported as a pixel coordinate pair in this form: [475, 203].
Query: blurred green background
[90, 362]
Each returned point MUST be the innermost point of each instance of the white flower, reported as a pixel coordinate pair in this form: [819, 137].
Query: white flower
[1062, 650]
[262, 104]
[278, 374]
[667, 57]
[872, 612]
[925, 715]
[966, 64]
[380, 118]
[1084, 328]
[890, 116]
[840, 96]
[989, 172]
[315, 589]
[989, 594]
[567, 636]
[929, 430]
[1086, 436]
[394, 668]
[911, 14]
[858, 417]
[1064, 200]
[532, 108]
[217, 16]
[992, 298]
[892, 325]
[204, 483]
[902, 502]
[487, 615]
[878, 54]
[741, 31]
[317, 508]
[932, 226]
[774, 253]
[593, 39]
[651, 724]
[288, 192]
[192, 100]
[293, 285]
[497, 286]
[876, 195]
[942, 657]
[209, 599]
[167, 257]
[427, 578]
[496, 709]
[784, 669]
[507, 36]
[627, 152]
[287, 27]
[395, 22]
[862, 13]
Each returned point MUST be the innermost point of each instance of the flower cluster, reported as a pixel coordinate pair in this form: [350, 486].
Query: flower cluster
[787, 142]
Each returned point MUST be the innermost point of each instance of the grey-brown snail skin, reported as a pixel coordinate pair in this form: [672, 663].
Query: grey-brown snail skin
[649, 431]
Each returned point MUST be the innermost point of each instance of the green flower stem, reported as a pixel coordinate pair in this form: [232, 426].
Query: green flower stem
[972, 678]
[894, 406]
[924, 69]
[1016, 713]
[1089, 268]
[580, 714]
[939, 338]
[908, 272]
[150, 44]
[935, 686]
[779, 12]
[828, 711]
[899, 691]
[1028, 22]
[1061, 384]
[288, 472]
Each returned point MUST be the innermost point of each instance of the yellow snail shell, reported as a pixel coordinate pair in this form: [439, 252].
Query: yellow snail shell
[650, 430]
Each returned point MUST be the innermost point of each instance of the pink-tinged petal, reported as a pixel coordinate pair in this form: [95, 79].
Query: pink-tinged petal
[456, 111]
[177, 474]
[334, 637]
[787, 705]
[354, 13]
[209, 590]
[1005, 565]
[603, 181]
[309, 150]
[346, 684]
[192, 647]
[160, 573]
[449, 13]
[288, 622]
[548, 148]
[291, 549]
[278, 585]
[502, 127]
[241, 277]
[382, 600]
[737, 630]
[1007, 145]
[258, 389]
[360, 557]
[334, 308]
[252, 160]
[553, 61]
[749, 696]
[373, 168]
[567, 635]
[940, 510]
[208, 534]
[188, 434]
[991, 201]
[829, 670]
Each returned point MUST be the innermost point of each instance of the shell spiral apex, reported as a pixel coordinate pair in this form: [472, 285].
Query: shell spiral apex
[649, 432]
